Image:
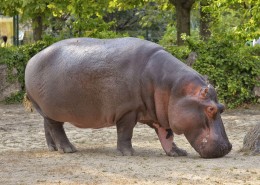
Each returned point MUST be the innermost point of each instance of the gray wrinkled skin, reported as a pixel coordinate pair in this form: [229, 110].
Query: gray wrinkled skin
[95, 83]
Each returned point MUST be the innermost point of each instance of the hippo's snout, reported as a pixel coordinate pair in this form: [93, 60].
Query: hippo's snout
[214, 150]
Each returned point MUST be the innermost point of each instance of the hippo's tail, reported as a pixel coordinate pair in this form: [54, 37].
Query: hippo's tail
[27, 103]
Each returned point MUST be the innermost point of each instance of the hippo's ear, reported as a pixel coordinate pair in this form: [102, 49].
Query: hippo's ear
[204, 92]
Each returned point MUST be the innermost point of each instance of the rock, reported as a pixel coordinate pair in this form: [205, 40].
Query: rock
[252, 140]
[7, 88]
[191, 59]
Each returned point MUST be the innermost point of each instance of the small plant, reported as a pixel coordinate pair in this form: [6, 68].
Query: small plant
[15, 98]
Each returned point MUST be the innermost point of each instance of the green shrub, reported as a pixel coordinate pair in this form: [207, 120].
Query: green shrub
[18, 58]
[15, 98]
[169, 40]
[231, 67]
[5, 54]
[180, 52]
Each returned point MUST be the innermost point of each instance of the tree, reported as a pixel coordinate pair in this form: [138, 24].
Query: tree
[183, 9]
[84, 14]
[37, 11]
[239, 18]
[33, 10]
[205, 20]
[89, 18]
[145, 16]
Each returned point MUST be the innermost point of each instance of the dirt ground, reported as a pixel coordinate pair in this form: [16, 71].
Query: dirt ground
[24, 158]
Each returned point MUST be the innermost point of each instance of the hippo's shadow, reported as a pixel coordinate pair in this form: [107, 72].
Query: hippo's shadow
[139, 152]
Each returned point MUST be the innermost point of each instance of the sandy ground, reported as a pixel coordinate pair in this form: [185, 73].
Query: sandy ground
[24, 158]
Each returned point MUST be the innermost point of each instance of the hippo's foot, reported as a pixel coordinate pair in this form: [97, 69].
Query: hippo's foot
[56, 137]
[63, 148]
[166, 138]
[176, 151]
[52, 147]
[126, 151]
[66, 148]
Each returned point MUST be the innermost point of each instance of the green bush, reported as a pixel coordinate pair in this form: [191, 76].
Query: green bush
[18, 58]
[15, 98]
[5, 54]
[231, 67]
[168, 41]
[180, 52]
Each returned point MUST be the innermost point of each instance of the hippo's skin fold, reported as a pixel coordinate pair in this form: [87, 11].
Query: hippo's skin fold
[95, 83]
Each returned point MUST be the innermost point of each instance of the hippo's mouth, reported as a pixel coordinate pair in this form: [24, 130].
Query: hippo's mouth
[213, 150]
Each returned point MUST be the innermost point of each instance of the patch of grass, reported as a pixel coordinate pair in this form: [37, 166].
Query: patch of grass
[216, 169]
[15, 98]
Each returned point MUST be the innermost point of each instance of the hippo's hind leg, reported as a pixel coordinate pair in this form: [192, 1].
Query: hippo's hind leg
[56, 137]
[50, 143]
[166, 138]
[125, 128]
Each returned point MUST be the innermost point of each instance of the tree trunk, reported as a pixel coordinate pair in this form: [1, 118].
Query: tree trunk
[204, 21]
[183, 8]
[37, 27]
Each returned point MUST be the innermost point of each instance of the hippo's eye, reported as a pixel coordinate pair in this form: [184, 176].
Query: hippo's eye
[211, 111]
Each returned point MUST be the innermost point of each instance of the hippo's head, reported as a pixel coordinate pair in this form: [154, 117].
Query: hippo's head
[197, 116]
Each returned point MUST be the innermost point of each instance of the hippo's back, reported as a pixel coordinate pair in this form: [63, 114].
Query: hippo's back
[86, 80]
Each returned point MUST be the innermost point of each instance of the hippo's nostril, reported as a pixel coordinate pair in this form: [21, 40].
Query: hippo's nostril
[225, 149]
[221, 108]
[229, 146]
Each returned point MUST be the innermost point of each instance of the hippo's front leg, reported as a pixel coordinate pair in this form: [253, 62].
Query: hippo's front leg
[166, 138]
[125, 128]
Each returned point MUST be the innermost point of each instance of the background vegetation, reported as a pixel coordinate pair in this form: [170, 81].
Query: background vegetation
[216, 30]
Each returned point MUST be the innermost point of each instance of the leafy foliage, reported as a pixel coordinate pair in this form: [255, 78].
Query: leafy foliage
[239, 18]
[17, 58]
[15, 98]
[231, 67]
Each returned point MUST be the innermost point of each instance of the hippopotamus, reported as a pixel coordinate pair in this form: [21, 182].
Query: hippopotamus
[96, 83]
